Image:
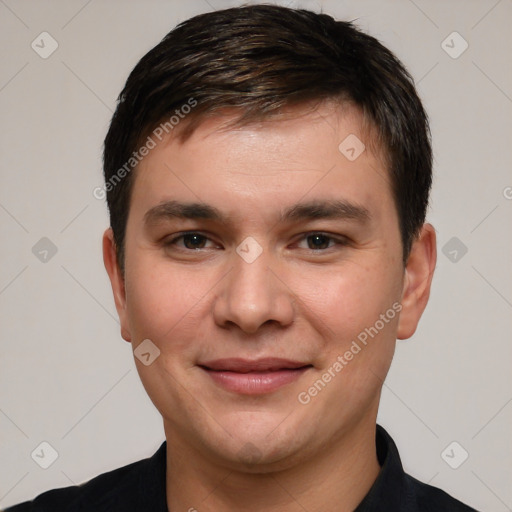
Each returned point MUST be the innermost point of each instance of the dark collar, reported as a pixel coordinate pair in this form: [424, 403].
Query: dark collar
[393, 490]
[386, 492]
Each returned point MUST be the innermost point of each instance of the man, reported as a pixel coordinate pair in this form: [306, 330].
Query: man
[267, 172]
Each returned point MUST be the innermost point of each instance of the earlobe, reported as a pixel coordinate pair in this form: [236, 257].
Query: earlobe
[419, 272]
[116, 281]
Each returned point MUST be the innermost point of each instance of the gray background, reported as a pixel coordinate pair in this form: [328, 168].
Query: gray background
[67, 377]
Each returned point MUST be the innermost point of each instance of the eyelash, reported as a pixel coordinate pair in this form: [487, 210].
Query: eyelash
[340, 241]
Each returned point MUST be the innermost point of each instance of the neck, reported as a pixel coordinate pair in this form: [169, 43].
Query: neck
[335, 479]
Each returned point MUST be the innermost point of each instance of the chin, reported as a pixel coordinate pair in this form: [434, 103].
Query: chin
[263, 445]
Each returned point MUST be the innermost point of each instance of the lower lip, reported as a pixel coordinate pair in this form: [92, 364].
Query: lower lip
[255, 383]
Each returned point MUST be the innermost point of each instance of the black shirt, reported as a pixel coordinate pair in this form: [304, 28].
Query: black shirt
[141, 487]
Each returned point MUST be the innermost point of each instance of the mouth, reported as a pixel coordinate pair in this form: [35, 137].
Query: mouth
[254, 377]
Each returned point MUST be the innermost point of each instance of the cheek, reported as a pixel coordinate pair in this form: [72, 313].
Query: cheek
[349, 298]
[161, 301]
[346, 309]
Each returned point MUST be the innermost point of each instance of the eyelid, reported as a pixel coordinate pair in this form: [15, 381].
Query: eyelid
[339, 240]
[176, 236]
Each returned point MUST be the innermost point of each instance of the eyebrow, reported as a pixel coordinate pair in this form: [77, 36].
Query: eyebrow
[311, 210]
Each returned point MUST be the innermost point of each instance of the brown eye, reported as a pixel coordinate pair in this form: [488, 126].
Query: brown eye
[321, 242]
[191, 241]
[318, 241]
[194, 241]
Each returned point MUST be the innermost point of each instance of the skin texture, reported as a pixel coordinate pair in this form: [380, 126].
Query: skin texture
[197, 299]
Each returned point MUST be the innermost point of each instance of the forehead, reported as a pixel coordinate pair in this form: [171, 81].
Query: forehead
[319, 153]
[336, 117]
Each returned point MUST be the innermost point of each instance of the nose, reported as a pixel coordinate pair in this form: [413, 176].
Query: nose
[252, 295]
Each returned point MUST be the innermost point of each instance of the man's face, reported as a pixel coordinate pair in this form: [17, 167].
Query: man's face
[268, 279]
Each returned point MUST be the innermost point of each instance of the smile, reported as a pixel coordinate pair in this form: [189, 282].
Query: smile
[254, 377]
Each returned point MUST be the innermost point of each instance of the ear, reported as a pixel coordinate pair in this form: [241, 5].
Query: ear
[116, 281]
[417, 281]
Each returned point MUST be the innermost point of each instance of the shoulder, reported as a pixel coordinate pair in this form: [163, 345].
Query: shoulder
[427, 498]
[97, 494]
[119, 489]
[400, 491]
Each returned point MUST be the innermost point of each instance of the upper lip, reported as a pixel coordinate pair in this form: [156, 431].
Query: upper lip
[237, 364]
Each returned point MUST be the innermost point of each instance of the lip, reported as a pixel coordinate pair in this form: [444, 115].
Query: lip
[254, 377]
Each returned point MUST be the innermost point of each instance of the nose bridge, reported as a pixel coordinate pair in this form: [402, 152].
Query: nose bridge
[251, 295]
